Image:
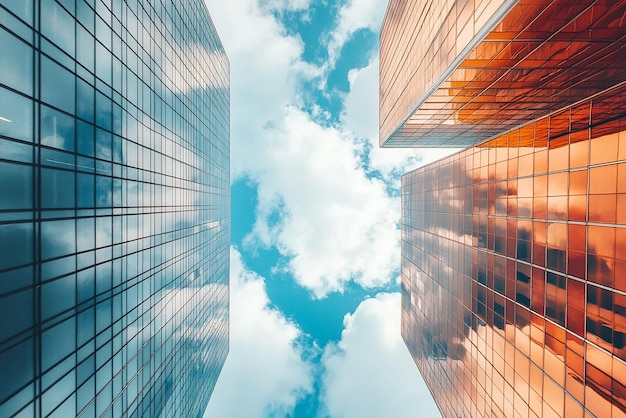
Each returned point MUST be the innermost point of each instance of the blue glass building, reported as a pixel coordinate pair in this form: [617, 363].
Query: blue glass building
[114, 208]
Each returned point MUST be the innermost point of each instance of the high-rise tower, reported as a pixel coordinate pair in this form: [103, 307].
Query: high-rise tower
[514, 297]
[114, 208]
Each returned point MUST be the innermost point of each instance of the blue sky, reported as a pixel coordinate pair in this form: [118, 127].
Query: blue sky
[315, 305]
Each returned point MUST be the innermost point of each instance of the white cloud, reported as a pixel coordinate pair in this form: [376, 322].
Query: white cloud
[265, 373]
[353, 16]
[286, 5]
[370, 373]
[360, 116]
[336, 223]
[266, 68]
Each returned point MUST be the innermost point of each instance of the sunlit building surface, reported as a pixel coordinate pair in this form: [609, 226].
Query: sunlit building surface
[114, 208]
[456, 73]
[514, 249]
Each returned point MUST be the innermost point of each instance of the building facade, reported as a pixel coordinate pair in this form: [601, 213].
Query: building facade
[460, 72]
[114, 208]
[513, 250]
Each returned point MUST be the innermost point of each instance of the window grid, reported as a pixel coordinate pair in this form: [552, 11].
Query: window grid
[115, 221]
[503, 242]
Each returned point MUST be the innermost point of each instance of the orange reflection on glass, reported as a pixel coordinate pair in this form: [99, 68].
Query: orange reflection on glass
[621, 176]
[579, 120]
[601, 254]
[536, 400]
[558, 157]
[619, 384]
[539, 243]
[598, 370]
[557, 207]
[525, 138]
[559, 125]
[575, 367]
[542, 134]
[557, 246]
[604, 149]
[573, 408]
[508, 277]
[538, 290]
[579, 149]
[621, 145]
[553, 394]
[540, 186]
[603, 179]
[578, 182]
[576, 306]
[602, 208]
[525, 167]
[541, 161]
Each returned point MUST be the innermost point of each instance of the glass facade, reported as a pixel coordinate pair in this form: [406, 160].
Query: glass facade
[458, 73]
[514, 297]
[114, 208]
[513, 253]
[513, 250]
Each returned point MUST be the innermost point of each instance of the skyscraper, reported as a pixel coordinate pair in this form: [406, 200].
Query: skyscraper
[114, 208]
[513, 296]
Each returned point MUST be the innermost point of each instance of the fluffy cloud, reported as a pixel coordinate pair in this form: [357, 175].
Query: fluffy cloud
[266, 69]
[335, 223]
[316, 202]
[265, 373]
[286, 5]
[370, 373]
[353, 16]
[360, 116]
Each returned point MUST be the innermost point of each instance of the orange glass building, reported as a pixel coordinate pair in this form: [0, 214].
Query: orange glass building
[514, 249]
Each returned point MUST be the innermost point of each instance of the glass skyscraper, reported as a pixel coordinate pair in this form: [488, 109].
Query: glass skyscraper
[114, 208]
[514, 249]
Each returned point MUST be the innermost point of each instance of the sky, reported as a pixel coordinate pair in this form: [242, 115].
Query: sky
[315, 239]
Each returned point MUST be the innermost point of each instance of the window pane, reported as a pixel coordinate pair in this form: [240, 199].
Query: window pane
[103, 315]
[58, 25]
[16, 70]
[58, 342]
[16, 244]
[103, 145]
[85, 139]
[85, 234]
[21, 302]
[16, 151]
[103, 111]
[16, 186]
[86, 98]
[57, 296]
[86, 287]
[57, 129]
[103, 191]
[18, 364]
[57, 238]
[103, 63]
[85, 190]
[23, 9]
[57, 85]
[57, 188]
[16, 115]
[85, 54]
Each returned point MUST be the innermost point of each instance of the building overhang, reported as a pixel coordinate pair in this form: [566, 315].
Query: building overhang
[538, 57]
